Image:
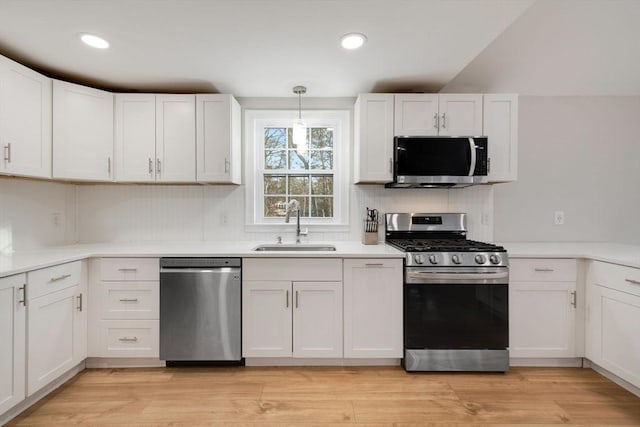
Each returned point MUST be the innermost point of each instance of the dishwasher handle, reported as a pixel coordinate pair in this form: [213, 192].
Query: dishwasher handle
[201, 270]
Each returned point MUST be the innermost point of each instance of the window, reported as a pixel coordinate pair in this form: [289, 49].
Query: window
[311, 173]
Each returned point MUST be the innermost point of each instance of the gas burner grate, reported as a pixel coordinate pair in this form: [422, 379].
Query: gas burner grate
[442, 245]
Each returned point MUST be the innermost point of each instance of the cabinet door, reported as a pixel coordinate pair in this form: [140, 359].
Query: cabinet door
[218, 139]
[51, 332]
[266, 318]
[620, 322]
[372, 308]
[373, 138]
[25, 120]
[501, 126]
[12, 337]
[542, 319]
[135, 137]
[317, 319]
[175, 138]
[82, 133]
[416, 115]
[460, 114]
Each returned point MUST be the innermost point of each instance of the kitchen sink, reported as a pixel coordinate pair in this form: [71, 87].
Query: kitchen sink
[296, 247]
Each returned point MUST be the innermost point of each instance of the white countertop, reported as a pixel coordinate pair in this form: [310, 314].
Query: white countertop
[20, 262]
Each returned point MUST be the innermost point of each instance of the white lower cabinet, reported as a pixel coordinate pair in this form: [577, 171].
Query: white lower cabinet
[292, 308]
[613, 319]
[12, 339]
[372, 308]
[542, 308]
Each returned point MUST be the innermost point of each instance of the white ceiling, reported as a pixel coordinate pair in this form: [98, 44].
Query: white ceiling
[255, 48]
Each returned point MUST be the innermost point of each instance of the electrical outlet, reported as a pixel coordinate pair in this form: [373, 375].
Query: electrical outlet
[484, 218]
[224, 219]
[558, 217]
[56, 219]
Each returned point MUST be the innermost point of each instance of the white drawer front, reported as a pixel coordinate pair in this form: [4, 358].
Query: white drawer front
[130, 269]
[130, 300]
[292, 269]
[130, 338]
[543, 270]
[52, 279]
[621, 278]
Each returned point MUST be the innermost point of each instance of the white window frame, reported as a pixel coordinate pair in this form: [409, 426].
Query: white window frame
[255, 123]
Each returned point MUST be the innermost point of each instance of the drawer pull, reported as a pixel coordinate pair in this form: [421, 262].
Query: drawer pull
[378, 264]
[543, 270]
[127, 269]
[129, 300]
[127, 339]
[635, 282]
[57, 279]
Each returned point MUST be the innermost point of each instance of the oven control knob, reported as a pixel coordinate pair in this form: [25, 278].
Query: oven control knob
[455, 259]
[433, 259]
[418, 259]
[495, 259]
[480, 259]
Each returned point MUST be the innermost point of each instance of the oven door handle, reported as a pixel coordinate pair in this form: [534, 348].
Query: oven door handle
[457, 276]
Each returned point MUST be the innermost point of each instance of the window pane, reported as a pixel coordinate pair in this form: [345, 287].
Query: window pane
[275, 138]
[322, 207]
[274, 206]
[298, 161]
[322, 160]
[299, 185]
[275, 159]
[275, 184]
[321, 138]
[322, 184]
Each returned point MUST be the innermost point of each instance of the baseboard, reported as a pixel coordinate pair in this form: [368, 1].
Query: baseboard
[34, 398]
[124, 362]
[616, 379]
[546, 362]
[290, 361]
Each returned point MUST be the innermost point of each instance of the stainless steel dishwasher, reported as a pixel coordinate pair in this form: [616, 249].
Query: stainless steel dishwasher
[200, 310]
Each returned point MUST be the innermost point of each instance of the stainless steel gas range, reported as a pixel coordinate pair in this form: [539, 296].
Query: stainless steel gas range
[456, 294]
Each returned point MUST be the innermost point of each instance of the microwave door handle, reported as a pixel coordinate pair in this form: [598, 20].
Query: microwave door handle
[472, 165]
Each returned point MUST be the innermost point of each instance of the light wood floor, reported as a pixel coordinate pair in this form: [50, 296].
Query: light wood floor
[380, 396]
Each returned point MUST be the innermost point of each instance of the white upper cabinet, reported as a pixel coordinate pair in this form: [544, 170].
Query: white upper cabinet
[432, 114]
[175, 138]
[82, 133]
[218, 143]
[501, 127]
[155, 138]
[25, 121]
[373, 138]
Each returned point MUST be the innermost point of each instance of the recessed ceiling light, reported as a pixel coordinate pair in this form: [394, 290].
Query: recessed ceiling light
[94, 41]
[353, 40]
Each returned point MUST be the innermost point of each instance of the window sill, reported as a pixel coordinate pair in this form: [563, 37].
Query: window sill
[285, 228]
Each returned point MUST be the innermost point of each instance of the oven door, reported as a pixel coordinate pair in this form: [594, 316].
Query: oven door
[457, 311]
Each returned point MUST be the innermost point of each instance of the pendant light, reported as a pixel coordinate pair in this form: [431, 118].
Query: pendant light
[299, 126]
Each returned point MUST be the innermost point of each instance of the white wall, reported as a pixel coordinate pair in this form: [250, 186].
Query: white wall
[580, 155]
[27, 210]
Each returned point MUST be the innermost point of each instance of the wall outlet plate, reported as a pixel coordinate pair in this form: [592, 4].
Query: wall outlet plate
[558, 217]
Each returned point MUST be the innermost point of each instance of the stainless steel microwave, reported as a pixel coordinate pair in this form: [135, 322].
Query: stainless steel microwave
[439, 161]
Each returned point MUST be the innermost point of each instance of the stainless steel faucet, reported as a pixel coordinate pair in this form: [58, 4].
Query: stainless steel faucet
[294, 204]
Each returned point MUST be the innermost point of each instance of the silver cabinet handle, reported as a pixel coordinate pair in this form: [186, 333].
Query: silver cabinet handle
[390, 164]
[7, 152]
[109, 165]
[158, 166]
[543, 270]
[127, 339]
[297, 305]
[79, 307]
[287, 300]
[23, 288]
[435, 121]
[226, 165]
[444, 121]
[150, 166]
[378, 264]
[128, 299]
[127, 269]
[634, 282]
[57, 279]
[573, 299]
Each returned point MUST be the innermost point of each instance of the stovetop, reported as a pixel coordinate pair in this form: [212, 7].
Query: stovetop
[443, 245]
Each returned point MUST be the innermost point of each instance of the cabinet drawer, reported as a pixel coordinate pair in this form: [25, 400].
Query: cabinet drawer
[543, 270]
[130, 300]
[52, 279]
[130, 269]
[129, 338]
[292, 269]
[625, 279]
